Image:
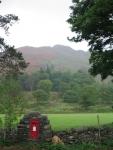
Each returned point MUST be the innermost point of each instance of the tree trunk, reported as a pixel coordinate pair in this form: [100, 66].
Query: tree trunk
[5, 126]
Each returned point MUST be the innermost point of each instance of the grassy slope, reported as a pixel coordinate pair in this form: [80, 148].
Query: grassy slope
[56, 106]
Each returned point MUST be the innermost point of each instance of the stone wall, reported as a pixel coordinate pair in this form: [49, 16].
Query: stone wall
[22, 132]
[11, 134]
[85, 134]
[23, 128]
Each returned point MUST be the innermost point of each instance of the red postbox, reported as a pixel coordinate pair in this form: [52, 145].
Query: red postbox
[34, 128]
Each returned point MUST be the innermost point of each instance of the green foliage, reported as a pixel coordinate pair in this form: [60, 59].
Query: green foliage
[40, 95]
[70, 97]
[105, 93]
[108, 143]
[12, 62]
[46, 86]
[74, 86]
[66, 77]
[58, 147]
[31, 82]
[64, 87]
[44, 76]
[87, 96]
[56, 84]
[47, 146]
[28, 82]
[11, 103]
[90, 146]
[79, 78]
[99, 15]
[22, 79]
[1, 123]
[85, 101]
[4, 142]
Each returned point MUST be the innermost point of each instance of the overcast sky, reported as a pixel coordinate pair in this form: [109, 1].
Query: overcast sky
[42, 23]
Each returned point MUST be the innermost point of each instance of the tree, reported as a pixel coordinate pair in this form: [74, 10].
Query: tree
[70, 97]
[22, 79]
[40, 95]
[12, 62]
[104, 93]
[87, 96]
[74, 86]
[46, 86]
[64, 87]
[11, 104]
[66, 77]
[92, 20]
[31, 82]
[56, 84]
[44, 76]
[85, 101]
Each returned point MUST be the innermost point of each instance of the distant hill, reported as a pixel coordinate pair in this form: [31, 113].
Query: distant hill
[59, 56]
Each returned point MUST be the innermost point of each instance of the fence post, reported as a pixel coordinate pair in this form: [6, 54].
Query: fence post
[98, 125]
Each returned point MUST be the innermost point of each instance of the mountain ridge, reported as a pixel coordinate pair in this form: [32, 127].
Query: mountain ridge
[60, 56]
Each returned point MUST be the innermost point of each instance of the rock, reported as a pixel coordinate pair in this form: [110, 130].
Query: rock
[47, 126]
[46, 131]
[43, 116]
[35, 113]
[57, 140]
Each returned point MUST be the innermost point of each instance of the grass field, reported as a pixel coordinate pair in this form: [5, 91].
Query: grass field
[67, 121]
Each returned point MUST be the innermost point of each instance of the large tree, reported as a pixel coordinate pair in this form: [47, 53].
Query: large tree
[46, 86]
[40, 95]
[64, 87]
[70, 97]
[87, 96]
[12, 62]
[92, 20]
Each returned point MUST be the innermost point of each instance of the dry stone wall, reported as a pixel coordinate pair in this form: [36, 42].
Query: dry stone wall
[85, 134]
[23, 128]
[11, 134]
[22, 132]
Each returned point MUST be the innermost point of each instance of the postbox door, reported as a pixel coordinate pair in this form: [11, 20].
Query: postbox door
[34, 128]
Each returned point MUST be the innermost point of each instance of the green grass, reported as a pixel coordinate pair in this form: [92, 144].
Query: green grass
[56, 105]
[60, 108]
[67, 121]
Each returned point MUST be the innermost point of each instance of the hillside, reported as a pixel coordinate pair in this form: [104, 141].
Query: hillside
[60, 57]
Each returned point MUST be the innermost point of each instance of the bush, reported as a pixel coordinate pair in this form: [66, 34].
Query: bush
[106, 142]
[70, 97]
[58, 147]
[4, 142]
